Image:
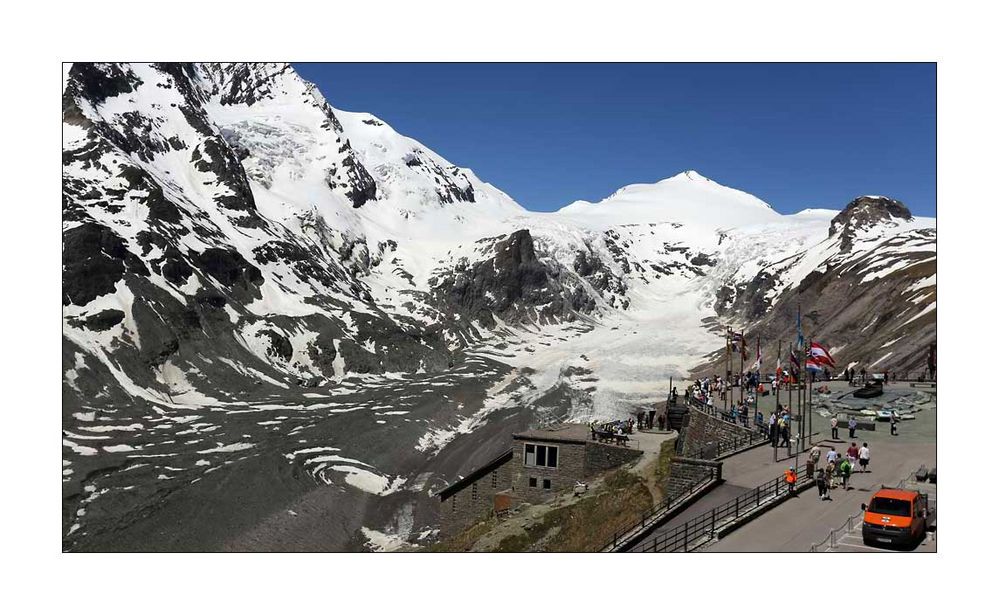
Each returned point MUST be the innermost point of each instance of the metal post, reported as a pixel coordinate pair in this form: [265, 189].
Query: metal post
[685, 536]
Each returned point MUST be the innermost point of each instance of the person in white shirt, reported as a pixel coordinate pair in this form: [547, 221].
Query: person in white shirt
[865, 457]
[832, 455]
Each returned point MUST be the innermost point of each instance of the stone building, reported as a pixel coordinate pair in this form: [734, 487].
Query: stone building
[549, 460]
[541, 463]
[470, 498]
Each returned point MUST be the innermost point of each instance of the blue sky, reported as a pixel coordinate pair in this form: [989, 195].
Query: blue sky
[795, 135]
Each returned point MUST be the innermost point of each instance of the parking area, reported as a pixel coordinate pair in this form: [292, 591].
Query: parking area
[848, 538]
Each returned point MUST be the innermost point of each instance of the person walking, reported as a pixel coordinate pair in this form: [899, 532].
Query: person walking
[821, 483]
[829, 471]
[845, 468]
[852, 425]
[814, 456]
[834, 423]
[865, 457]
[832, 456]
[853, 453]
[894, 423]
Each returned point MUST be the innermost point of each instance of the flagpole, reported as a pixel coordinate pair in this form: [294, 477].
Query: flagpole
[742, 365]
[728, 355]
[759, 364]
[810, 430]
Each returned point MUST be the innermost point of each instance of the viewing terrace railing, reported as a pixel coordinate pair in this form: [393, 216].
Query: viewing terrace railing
[655, 513]
[699, 530]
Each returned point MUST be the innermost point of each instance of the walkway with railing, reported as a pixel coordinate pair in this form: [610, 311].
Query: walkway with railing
[630, 533]
[626, 537]
[700, 530]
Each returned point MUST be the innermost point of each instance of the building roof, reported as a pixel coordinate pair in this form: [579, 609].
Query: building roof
[475, 474]
[564, 432]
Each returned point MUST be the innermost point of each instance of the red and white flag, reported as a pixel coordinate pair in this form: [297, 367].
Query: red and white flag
[820, 354]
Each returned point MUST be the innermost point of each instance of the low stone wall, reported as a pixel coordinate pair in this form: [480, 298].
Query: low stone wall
[701, 429]
[603, 457]
[685, 473]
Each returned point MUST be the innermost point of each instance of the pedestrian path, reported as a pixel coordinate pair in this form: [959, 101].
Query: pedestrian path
[804, 520]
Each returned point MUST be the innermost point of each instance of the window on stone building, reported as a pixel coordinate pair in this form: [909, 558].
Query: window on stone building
[475, 491]
[546, 483]
[532, 482]
[494, 479]
[453, 500]
[540, 456]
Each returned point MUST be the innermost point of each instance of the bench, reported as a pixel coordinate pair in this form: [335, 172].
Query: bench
[620, 439]
[922, 474]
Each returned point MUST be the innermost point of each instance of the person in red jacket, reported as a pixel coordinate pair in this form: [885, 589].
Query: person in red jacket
[790, 477]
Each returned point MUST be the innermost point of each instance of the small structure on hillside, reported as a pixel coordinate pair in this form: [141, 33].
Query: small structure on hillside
[540, 463]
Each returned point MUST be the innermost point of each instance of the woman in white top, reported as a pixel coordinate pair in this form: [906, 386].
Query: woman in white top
[865, 457]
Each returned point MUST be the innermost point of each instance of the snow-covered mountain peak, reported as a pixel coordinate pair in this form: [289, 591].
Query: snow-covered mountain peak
[690, 175]
[687, 198]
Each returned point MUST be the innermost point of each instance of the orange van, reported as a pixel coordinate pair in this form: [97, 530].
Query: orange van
[895, 516]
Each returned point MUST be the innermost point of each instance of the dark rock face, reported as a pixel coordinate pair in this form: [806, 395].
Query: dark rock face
[99, 81]
[353, 179]
[279, 345]
[507, 284]
[94, 260]
[228, 267]
[101, 321]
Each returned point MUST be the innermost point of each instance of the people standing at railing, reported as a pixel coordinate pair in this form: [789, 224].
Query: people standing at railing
[773, 426]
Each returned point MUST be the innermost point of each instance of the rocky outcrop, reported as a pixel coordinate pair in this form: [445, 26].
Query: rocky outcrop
[864, 213]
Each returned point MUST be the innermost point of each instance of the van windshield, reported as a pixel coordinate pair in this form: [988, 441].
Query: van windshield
[890, 506]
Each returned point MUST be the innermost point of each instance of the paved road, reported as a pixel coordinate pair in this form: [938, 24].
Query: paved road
[797, 524]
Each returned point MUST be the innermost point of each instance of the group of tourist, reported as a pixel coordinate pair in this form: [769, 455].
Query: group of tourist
[649, 419]
[779, 426]
[619, 428]
[836, 465]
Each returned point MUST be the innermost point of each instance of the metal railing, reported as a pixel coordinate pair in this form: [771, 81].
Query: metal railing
[649, 516]
[838, 533]
[698, 530]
